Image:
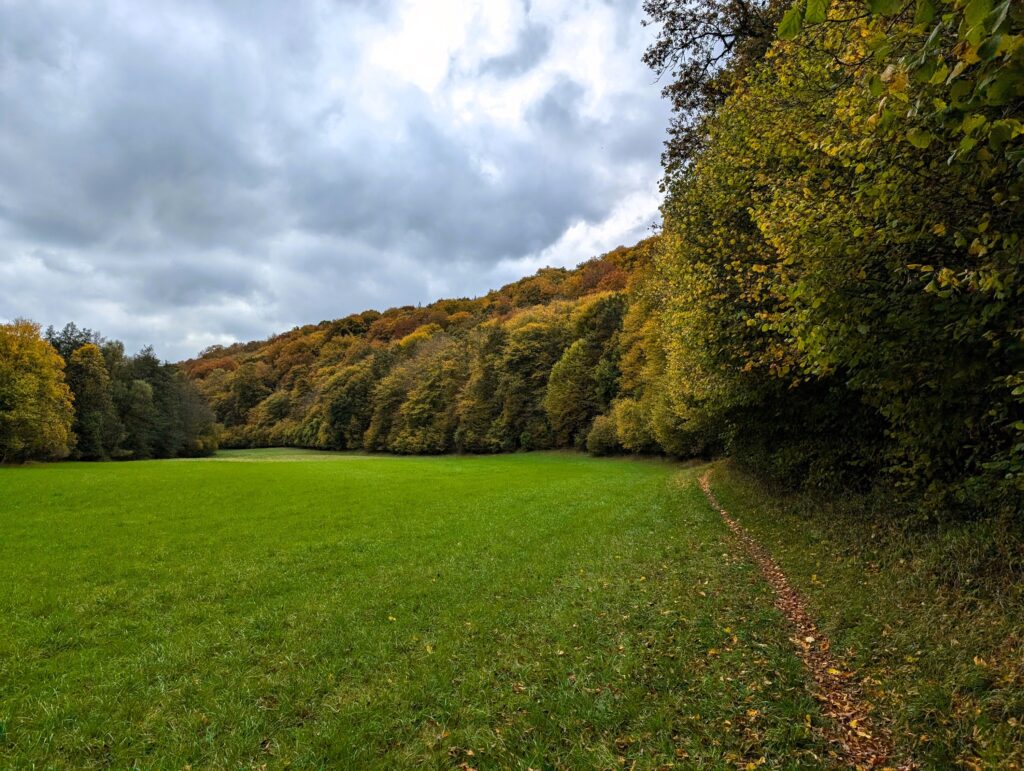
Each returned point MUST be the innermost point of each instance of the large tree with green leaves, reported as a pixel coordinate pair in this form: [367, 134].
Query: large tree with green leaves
[97, 424]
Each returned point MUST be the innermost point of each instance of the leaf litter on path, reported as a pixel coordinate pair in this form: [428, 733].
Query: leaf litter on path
[857, 739]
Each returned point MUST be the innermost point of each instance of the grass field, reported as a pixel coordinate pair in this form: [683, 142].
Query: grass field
[309, 609]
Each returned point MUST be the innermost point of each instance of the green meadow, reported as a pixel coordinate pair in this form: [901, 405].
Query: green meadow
[289, 608]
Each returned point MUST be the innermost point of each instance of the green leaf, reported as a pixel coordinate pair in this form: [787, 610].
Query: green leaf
[976, 10]
[998, 16]
[816, 11]
[989, 48]
[886, 7]
[971, 122]
[960, 92]
[791, 23]
[1002, 88]
[1001, 133]
[925, 12]
[920, 138]
[939, 75]
[924, 72]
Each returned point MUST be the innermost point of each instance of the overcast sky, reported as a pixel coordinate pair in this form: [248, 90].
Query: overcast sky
[192, 172]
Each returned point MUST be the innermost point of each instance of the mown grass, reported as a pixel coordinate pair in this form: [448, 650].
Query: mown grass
[931, 615]
[543, 610]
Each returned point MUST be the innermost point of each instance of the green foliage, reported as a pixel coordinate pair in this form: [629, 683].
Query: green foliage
[792, 22]
[535, 342]
[570, 400]
[248, 388]
[885, 7]
[71, 338]
[163, 414]
[97, 425]
[602, 438]
[139, 416]
[477, 406]
[632, 424]
[843, 259]
[703, 47]
[125, 407]
[426, 417]
[346, 404]
[457, 375]
[816, 12]
[35, 403]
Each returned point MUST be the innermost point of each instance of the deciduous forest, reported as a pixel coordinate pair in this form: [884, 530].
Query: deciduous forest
[834, 300]
[71, 393]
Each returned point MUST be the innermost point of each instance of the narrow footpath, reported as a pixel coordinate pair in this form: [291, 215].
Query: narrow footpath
[856, 738]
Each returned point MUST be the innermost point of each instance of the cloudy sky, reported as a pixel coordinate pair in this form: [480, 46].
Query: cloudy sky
[190, 172]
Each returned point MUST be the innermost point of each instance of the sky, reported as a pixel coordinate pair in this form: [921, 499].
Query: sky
[185, 173]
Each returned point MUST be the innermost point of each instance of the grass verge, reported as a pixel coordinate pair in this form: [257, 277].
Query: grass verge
[932, 617]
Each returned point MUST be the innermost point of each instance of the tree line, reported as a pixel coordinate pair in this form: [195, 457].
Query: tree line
[842, 251]
[525, 367]
[71, 393]
[835, 298]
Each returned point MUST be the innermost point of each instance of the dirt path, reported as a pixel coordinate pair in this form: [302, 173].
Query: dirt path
[857, 741]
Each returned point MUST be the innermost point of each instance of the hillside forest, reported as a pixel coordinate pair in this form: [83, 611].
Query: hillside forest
[834, 298]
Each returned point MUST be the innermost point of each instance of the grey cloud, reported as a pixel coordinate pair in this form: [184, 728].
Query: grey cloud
[532, 45]
[201, 171]
[190, 282]
[426, 197]
[558, 110]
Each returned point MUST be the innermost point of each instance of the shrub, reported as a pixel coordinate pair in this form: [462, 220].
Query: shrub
[602, 439]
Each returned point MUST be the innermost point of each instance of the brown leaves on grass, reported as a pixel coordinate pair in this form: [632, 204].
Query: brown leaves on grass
[858, 741]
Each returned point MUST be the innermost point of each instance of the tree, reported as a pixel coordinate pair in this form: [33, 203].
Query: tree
[704, 47]
[200, 435]
[478, 405]
[602, 439]
[842, 257]
[347, 403]
[571, 401]
[140, 419]
[96, 424]
[427, 418]
[71, 338]
[248, 388]
[535, 342]
[36, 405]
